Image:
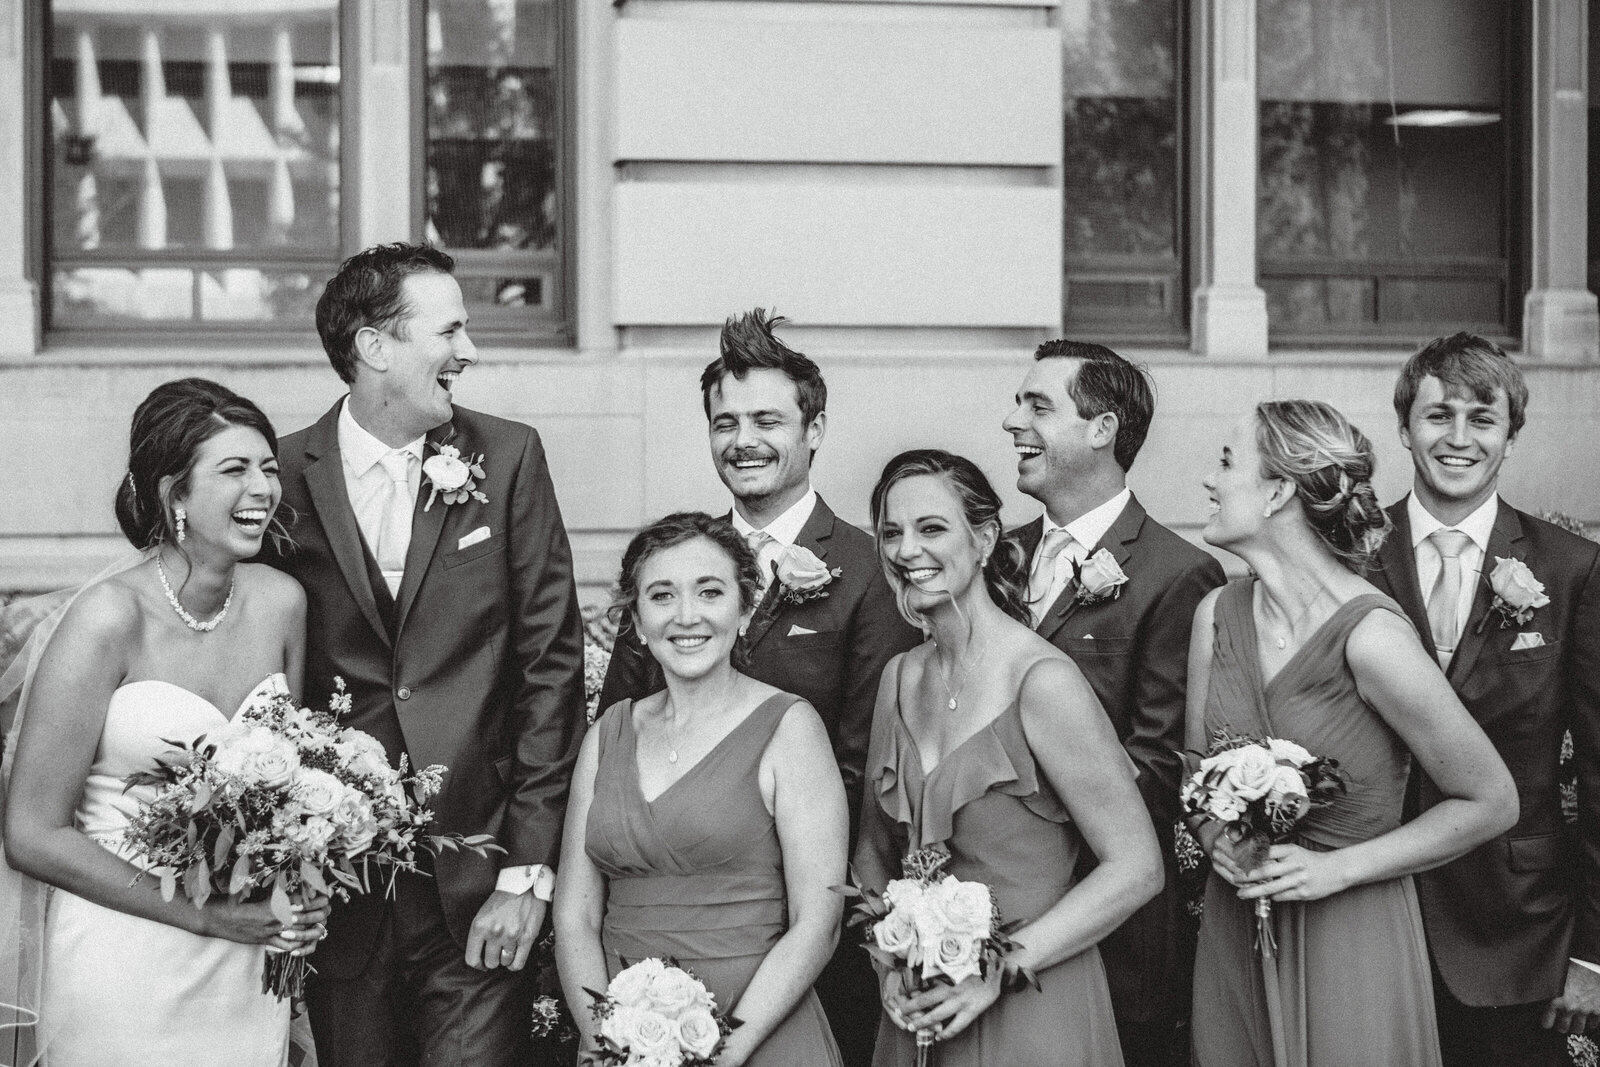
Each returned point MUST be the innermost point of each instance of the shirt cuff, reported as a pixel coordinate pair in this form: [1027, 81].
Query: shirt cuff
[1585, 963]
[532, 876]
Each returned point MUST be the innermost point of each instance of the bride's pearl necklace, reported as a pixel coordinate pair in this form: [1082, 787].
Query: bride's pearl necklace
[189, 620]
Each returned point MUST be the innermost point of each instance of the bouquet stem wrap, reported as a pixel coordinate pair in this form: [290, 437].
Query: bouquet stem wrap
[924, 1048]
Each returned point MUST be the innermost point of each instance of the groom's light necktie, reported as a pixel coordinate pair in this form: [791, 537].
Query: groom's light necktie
[1444, 601]
[394, 533]
[1043, 588]
[766, 549]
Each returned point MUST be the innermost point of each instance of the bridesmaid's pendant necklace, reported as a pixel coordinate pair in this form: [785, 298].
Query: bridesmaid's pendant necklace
[189, 620]
[672, 721]
[1283, 641]
[966, 672]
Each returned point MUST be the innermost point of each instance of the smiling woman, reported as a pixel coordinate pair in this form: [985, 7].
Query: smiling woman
[706, 821]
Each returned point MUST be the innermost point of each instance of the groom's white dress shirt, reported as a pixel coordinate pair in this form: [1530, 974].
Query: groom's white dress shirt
[783, 530]
[368, 482]
[1477, 526]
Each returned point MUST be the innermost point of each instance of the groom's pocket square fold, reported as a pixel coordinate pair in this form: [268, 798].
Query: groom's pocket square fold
[797, 630]
[1529, 639]
[468, 540]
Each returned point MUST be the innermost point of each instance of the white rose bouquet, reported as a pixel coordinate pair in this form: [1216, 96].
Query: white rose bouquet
[280, 802]
[932, 927]
[1260, 788]
[656, 1014]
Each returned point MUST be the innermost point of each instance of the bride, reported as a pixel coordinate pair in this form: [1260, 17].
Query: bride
[163, 651]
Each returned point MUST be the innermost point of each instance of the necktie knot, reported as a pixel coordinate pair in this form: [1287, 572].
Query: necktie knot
[1450, 543]
[1055, 542]
[397, 465]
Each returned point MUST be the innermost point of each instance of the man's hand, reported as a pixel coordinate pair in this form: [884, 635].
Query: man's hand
[504, 930]
[1578, 1007]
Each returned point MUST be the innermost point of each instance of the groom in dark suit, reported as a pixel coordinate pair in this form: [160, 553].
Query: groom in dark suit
[440, 590]
[1513, 926]
[827, 622]
[1116, 591]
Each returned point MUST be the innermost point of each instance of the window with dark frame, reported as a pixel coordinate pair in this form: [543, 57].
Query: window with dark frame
[1387, 192]
[1122, 168]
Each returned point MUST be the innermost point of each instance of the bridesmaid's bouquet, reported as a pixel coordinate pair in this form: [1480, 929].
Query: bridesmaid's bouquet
[932, 927]
[283, 802]
[657, 1014]
[1260, 788]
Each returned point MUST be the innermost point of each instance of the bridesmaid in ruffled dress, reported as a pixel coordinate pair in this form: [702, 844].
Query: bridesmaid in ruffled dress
[988, 740]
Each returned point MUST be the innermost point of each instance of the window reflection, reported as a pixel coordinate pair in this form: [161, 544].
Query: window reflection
[1382, 193]
[493, 156]
[1121, 163]
[190, 145]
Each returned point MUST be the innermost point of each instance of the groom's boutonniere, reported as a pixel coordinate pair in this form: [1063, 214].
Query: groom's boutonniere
[453, 476]
[1097, 579]
[1517, 593]
[801, 575]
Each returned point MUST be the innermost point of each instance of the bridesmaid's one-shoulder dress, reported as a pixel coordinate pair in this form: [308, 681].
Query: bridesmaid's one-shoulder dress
[697, 873]
[1353, 967]
[1004, 826]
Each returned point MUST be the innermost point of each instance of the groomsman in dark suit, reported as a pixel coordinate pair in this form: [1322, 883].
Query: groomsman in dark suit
[827, 622]
[1116, 591]
[440, 590]
[1513, 926]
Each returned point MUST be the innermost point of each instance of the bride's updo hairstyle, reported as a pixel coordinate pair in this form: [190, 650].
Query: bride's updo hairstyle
[1330, 463]
[1004, 574]
[676, 529]
[168, 429]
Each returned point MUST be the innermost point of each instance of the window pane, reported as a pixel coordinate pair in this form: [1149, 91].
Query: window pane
[1383, 199]
[191, 144]
[493, 157]
[1121, 163]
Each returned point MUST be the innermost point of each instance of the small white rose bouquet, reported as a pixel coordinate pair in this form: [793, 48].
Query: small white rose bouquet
[654, 1013]
[933, 927]
[280, 803]
[1260, 788]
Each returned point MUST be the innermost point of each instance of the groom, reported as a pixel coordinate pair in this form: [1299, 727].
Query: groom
[1514, 925]
[765, 404]
[442, 594]
[1116, 591]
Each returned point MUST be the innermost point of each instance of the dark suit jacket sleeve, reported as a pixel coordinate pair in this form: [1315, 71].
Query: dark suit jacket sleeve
[632, 673]
[1155, 737]
[878, 633]
[545, 658]
[1583, 718]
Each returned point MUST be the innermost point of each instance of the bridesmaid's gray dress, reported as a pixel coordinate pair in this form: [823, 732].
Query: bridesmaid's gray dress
[1353, 967]
[697, 873]
[1006, 827]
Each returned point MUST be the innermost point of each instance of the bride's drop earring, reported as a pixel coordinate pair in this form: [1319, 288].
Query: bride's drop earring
[179, 516]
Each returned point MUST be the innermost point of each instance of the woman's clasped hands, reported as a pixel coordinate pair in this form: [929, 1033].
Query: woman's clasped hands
[253, 923]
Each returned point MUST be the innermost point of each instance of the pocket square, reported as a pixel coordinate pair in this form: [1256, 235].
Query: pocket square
[797, 630]
[1527, 639]
[468, 540]
[1088, 637]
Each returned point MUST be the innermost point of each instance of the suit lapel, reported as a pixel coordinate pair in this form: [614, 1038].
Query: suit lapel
[324, 474]
[1118, 541]
[426, 526]
[1505, 541]
[815, 535]
[1398, 559]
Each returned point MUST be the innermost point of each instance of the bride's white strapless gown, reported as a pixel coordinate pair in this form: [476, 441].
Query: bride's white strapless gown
[121, 990]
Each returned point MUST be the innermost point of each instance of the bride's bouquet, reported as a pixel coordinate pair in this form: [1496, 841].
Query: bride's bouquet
[1260, 788]
[932, 927]
[284, 802]
[656, 1014]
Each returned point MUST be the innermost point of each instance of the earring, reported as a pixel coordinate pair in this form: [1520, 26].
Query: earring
[1266, 513]
[641, 638]
[179, 516]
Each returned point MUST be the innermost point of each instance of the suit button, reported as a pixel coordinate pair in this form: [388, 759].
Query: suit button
[404, 692]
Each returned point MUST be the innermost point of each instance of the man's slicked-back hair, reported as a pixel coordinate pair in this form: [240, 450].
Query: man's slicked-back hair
[1466, 365]
[748, 344]
[1107, 382]
[367, 292]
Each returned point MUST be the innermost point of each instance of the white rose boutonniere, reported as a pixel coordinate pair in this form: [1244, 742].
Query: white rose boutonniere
[453, 476]
[801, 575]
[1098, 579]
[1517, 593]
